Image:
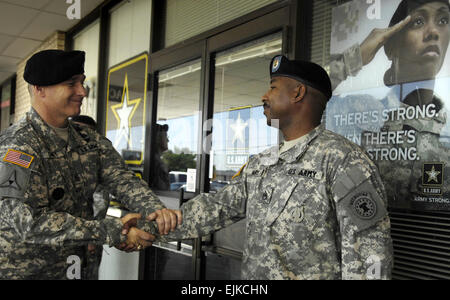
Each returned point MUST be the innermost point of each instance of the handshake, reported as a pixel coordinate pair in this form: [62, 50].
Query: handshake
[138, 239]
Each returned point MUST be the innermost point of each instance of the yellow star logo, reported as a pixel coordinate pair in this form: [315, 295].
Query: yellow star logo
[124, 113]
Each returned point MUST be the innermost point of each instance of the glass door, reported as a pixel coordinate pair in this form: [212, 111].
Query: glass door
[239, 131]
[174, 160]
[177, 124]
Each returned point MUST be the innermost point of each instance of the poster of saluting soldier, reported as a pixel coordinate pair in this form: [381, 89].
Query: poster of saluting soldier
[390, 71]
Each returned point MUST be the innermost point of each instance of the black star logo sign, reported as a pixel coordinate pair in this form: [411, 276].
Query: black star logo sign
[11, 182]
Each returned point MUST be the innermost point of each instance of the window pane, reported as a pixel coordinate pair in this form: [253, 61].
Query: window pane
[385, 116]
[394, 102]
[177, 126]
[126, 109]
[187, 18]
[129, 30]
[5, 106]
[239, 125]
[88, 41]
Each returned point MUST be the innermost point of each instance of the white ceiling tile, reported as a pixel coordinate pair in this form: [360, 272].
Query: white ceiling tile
[14, 18]
[5, 75]
[36, 4]
[89, 5]
[46, 24]
[5, 40]
[60, 6]
[20, 48]
[24, 24]
[8, 63]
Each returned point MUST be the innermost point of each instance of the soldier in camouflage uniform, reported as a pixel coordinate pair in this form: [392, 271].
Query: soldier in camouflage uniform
[48, 176]
[315, 207]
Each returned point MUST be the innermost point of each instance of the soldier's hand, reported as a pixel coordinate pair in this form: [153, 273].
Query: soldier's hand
[128, 221]
[138, 240]
[378, 38]
[167, 219]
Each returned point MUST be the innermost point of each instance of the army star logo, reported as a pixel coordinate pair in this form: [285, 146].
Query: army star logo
[239, 129]
[124, 113]
[364, 206]
[432, 174]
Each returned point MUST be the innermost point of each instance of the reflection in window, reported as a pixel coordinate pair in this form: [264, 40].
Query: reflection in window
[177, 126]
[5, 106]
[240, 127]
[88, 41]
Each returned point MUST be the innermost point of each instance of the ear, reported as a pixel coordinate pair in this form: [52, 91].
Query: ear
[40, 90]
[300, 93]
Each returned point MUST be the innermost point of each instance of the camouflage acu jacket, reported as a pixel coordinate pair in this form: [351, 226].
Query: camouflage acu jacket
[46, 189]
[349, 63]
[318, 211]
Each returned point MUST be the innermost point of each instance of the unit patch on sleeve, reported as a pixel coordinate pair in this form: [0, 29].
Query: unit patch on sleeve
[364, 206]
[18, 158]
[13, 180]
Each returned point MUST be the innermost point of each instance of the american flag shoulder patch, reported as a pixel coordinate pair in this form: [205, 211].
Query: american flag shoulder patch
[18, 158]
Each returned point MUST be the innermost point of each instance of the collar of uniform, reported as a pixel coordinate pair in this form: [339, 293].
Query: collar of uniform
[75, 139]
[295, 152]
[53, 142]
[271, 156]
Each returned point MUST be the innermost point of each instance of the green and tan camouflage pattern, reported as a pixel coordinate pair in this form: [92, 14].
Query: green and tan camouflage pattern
[300, 221]
[349, 63]
[41, 228]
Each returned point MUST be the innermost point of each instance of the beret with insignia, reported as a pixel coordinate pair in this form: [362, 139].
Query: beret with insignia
[306, 72]
[51, 67]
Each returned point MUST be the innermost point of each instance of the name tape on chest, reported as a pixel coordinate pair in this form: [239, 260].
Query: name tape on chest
[305, 173]
[18, 158]
[87, 148]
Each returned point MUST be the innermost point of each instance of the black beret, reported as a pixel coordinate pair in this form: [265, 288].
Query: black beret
[304, 71]
[164, 127]
[407, 6]
[51, 67]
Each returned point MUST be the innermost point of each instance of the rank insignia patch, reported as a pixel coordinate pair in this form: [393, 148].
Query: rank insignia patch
[432, 178]
[18, 158]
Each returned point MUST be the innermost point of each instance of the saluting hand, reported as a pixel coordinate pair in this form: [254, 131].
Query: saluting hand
[378, 38]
